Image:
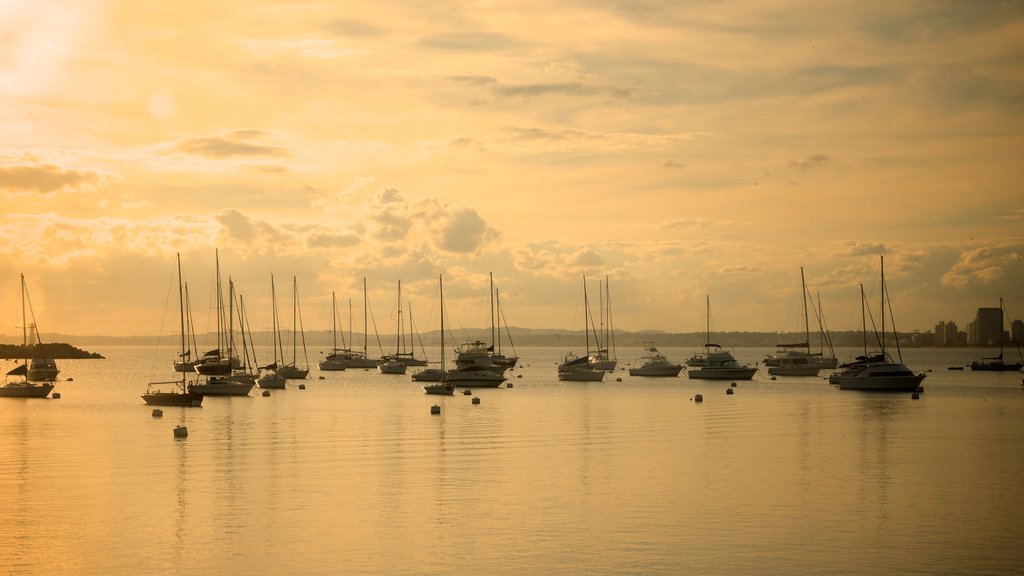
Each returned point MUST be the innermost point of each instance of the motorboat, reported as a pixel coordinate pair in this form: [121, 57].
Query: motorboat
[654, 363]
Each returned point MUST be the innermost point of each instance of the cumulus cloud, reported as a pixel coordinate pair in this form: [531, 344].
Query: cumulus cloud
[980, 266]
[864, 249]
[44, 179]
[463, 231]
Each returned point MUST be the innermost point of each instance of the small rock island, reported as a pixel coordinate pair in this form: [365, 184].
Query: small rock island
[56, 350]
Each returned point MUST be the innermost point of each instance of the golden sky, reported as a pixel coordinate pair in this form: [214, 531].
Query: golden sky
[683, 149]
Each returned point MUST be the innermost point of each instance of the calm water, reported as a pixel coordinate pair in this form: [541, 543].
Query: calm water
[354, 476]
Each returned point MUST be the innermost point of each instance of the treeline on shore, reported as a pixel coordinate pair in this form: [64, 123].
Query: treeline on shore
[323, 339]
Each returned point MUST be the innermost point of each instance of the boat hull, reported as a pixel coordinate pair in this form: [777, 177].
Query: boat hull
[878, 378]
[331, 365]
[794, 370]
[391, 368]
[20, 390]
[995, 366]
[440, 388]
[223, 388]
[669, 371]
[292, 373]
[705, 373]
[581, 375]
[271, 381]
[429, 375]
[475, 379]
[187, 399]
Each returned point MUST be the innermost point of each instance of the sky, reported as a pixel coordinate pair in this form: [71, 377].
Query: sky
[685, 150]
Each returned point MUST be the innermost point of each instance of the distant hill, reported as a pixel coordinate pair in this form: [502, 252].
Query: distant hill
[318, 340]
[57, 350]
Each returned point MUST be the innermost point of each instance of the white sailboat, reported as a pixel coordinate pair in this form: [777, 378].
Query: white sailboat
[291, 370]
[239, 381]
[601, 359]
[268, 375]
[335, 361]
[791, 361]
[392, 363]
[22, 386]
[436, 376]
[716, 363]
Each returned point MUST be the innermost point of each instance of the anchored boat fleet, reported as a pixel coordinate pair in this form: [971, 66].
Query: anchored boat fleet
[231, 369]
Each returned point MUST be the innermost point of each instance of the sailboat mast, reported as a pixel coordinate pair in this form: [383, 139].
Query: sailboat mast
[440, 289]
[882, 257]
[181, 312]
[707, 310]
[398, 333]
[863, 321]
[497, 318]
[334, 321]
[231, 322]
[490, 276]
[586, 315]
[24, 324]
[807, 326]
[364, 317]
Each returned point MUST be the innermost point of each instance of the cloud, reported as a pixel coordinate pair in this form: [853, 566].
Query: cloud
[354, 28]
[232, 145]
[864, 249]
[673, 164]
[811, 162]
[980, 266]
[463, 231]
[470, 42]
[543, 89]
[44, 179]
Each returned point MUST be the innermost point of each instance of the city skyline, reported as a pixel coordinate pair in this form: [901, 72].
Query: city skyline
[685, 151]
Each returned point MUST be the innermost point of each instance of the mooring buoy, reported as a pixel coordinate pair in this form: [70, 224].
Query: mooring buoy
[698, 398]
[180, 432]
[158, 413]
[476, 400]
[435, 409]
[467, 392]
[266, 393]
[302, 386]
[55, 395]
[729, 390]
[915, 396]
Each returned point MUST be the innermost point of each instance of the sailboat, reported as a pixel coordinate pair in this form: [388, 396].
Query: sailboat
[291, 370]
[187, 361]
[269, 377]
[716, 363]
[479, 355]
[791, 361]
[996, 363]
[239, 381]
[578, 368]
[22, 386]
[335, 361]
[174, 393]
[354, 358]
[600, 358]
[219, 361]
[436, 375]
[392, 363]
[878, 372]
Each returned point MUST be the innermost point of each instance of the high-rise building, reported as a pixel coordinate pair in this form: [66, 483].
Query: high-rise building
[990, 326]
[1017, 332]
[946, 333]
